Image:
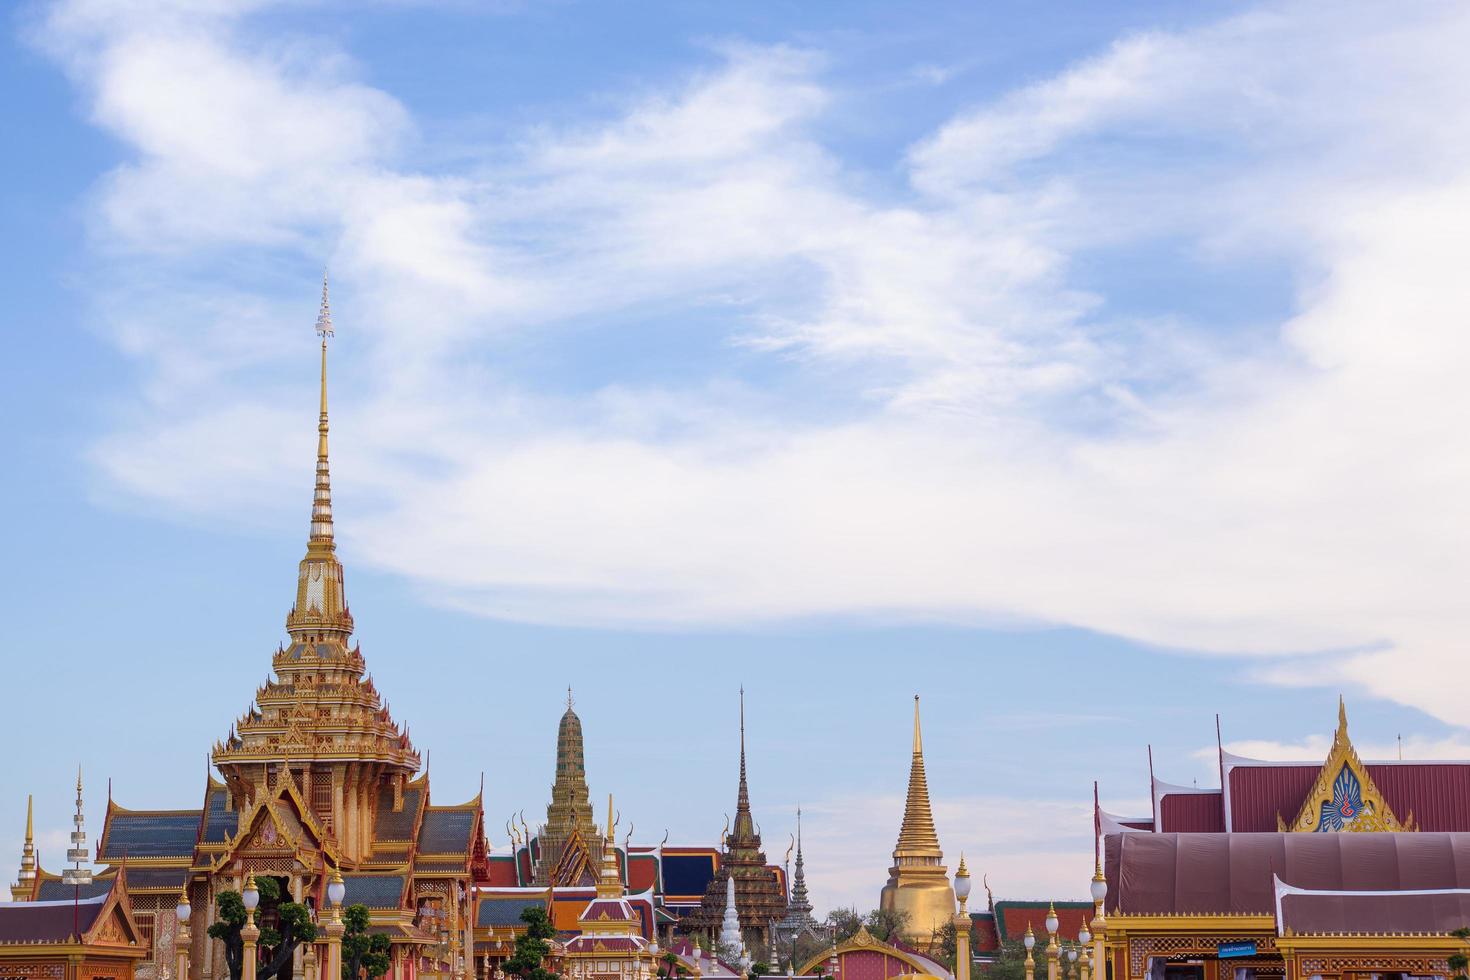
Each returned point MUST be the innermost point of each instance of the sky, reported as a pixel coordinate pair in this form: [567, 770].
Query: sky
[1086, 369]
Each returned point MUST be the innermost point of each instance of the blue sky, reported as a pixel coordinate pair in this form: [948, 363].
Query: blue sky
[1087, 369]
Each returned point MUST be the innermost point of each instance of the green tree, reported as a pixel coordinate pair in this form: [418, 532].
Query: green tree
[760, 968]
[1459, 962]
[884, 924]
[362, 951]
[277, 944]
[1010, 961]
[532, 946]
[670, 968]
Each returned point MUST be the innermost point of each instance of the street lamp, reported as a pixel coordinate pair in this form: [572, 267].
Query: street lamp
[1083, 938]
[1030, 943]
[1099, 922]
[1053, 951]
[336, 892]
[962, 923]
[182, 939]
[250, 896]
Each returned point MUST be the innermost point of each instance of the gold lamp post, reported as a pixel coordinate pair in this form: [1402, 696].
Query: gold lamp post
[1099, 922]
[182, 937]
[962, 923]
[336, 891]
[249, 935]
[1053, 951]
[1030, 943]
[1084, 959]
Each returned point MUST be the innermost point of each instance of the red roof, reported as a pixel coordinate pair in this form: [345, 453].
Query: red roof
[1436, 793]
[642, 872]
[41, 922]
[983, 937]
[1187, 874]
[1192, 813]
[1012, 918]
[502, 872]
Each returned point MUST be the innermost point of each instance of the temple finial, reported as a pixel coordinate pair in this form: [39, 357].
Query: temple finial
[23, 882]
[569, 697]
[918, 738]
[1341, 715]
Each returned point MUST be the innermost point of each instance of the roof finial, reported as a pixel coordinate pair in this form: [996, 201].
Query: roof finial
[569, 697]
[1341, 716]
[321, 511]
[27, 856]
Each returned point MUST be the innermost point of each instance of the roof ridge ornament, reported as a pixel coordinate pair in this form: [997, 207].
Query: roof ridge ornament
[1344, 797]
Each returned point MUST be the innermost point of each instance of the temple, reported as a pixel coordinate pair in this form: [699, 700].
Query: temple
[760, 892]
[1334, 869]
[314, 778]
[569, 847]
[918, 883]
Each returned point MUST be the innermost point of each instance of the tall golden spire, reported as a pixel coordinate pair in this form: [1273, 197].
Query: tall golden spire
[24, 881]
[918, 881]
[321, 612]
[610, 882]
[917, 838]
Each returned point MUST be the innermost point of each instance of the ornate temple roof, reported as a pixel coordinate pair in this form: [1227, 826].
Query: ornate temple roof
[1263, 796]
[319, 706]
[568, 845]
[760, 891]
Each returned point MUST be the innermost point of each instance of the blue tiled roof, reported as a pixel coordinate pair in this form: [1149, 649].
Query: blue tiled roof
[396, 826]
[220, 822]
[687, 874]
[446, 831]
[145, 835]
[55, 891]
[505, 911]
[374, 891]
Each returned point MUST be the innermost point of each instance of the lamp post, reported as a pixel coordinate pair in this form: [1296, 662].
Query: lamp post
[1072, 962]
[1030, 943]
[1083, 938]
[1099, 922]
[249, 935]
[962, 923]
[336, 891]
[1053, 951]
[182, 937]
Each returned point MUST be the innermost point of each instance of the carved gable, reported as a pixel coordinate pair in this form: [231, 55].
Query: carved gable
[1344, 798]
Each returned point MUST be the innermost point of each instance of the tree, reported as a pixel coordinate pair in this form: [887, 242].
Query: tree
[670, 968]
[1010, 961]
[760, 968]
[884, 924]
[1459, 963]
[532, 946]
[362, 951]
[277, 944]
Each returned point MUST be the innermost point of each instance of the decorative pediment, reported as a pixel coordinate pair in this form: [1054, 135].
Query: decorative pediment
[280, 824]
[1344, 798]
[115, 925]
[573, 868]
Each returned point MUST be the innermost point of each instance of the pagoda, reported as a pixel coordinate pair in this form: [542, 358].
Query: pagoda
[798, 917]
[918, 883]
[610, 944]
[316, 780]
[759, 893]
[569, 847]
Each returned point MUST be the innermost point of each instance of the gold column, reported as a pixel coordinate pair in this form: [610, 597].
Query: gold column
[1053, 952]
[249, 935]
[308, 962]
[334, 929]
[1029, 942]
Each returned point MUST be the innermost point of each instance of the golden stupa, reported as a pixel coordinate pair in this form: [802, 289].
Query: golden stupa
[918, 882]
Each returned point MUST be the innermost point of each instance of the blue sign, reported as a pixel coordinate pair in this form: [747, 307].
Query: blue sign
[1242, 948]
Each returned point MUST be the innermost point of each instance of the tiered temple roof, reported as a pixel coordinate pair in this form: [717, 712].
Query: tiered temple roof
[759, 891]
[569, 846]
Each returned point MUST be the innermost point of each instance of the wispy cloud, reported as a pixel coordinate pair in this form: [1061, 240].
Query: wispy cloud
[959, 429]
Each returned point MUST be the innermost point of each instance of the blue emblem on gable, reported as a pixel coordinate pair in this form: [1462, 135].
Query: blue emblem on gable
[1346, 804]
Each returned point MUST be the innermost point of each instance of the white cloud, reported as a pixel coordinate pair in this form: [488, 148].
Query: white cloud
[989, 441]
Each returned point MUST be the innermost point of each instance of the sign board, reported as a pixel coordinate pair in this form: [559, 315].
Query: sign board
[1245, 947]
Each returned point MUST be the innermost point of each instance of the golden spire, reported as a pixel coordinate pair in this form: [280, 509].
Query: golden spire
[917, 838]
[27, 875]
[321, 611]
[1341, 717]
[610, 883]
